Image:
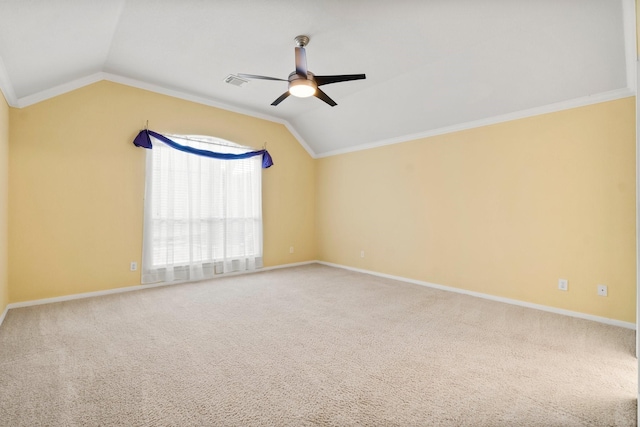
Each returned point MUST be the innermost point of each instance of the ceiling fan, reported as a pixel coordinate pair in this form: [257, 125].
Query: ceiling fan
[302, 82]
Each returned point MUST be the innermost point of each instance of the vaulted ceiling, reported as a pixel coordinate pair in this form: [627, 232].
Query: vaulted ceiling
[432, 65]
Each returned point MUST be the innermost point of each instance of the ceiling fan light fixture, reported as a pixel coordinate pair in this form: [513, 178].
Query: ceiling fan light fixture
[302, 82]
[302, 88]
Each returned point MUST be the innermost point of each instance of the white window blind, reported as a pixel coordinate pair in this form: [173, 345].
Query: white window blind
[203, 216]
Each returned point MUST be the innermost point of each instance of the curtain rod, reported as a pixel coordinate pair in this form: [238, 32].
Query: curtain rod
[264, 146]
[216, 143]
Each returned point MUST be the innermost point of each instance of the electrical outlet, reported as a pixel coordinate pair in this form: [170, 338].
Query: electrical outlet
[563, 284]
[602, 290]
[290, 249]
[361, 254]
[133, 266]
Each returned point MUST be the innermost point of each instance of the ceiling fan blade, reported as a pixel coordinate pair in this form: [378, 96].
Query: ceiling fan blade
[325, 80]
[253, 76]
[321, 95]
[301, 62]
[280, 98]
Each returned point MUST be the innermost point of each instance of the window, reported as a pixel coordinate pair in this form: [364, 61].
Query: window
[203, 216]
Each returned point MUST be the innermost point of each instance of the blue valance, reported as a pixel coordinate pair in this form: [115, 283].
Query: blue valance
[143, 140]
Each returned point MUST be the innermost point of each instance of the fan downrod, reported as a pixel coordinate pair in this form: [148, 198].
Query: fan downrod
[302, 41]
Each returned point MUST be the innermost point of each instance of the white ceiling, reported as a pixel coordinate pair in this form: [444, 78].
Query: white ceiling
[431, 65]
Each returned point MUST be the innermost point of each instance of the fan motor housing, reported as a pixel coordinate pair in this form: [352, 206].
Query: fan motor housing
[295, 76]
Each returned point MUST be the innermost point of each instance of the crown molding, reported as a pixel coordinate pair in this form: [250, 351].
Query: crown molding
[300, 139]
[115, 78]
[630, 50]
[6, 87]
[59, 90]
[209, 102]
[545, 109]
[139, 84]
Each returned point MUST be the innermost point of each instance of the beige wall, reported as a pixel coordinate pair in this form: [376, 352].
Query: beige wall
[505, 210]
[4, 199]
[76, 186]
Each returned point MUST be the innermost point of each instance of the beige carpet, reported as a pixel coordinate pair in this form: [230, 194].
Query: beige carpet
[310, 346]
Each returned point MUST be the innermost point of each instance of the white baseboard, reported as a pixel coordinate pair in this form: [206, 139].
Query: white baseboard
[278, 267]
[137, 288]
[555, 310]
